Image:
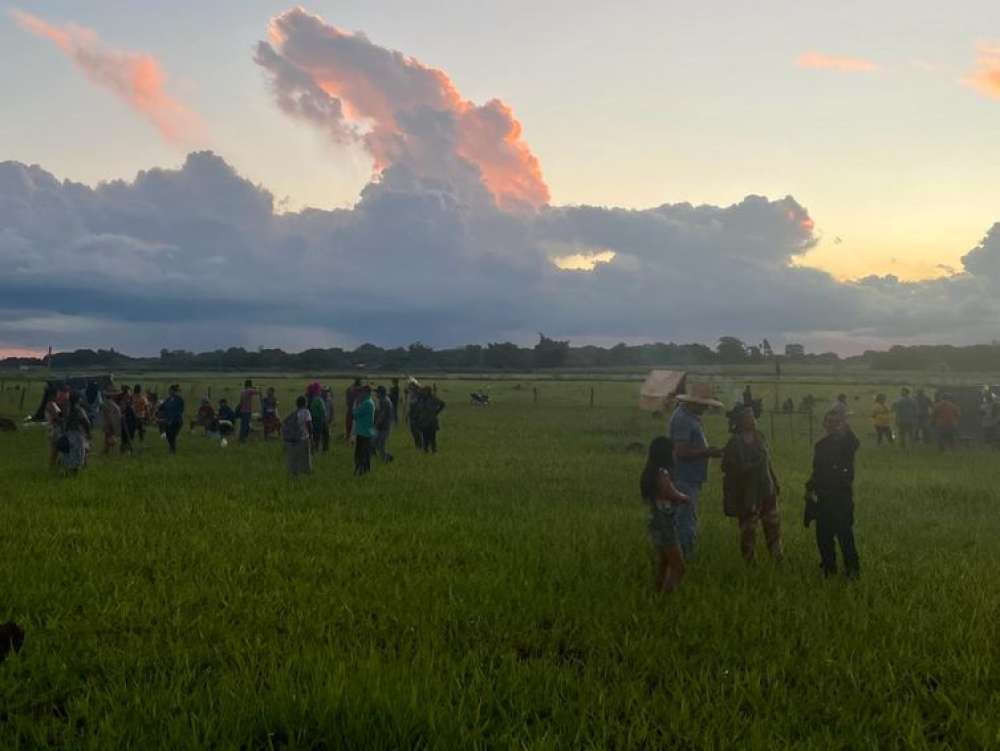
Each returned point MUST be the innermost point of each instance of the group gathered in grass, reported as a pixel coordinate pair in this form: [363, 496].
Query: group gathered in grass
[75, 417]
[677, 468]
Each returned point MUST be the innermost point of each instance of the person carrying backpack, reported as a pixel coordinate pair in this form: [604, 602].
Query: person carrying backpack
[297, 435]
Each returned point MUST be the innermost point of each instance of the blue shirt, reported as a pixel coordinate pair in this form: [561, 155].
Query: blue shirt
[172, 409]
[685, 427]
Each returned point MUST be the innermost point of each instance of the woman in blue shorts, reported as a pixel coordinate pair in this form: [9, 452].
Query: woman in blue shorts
[659, 493]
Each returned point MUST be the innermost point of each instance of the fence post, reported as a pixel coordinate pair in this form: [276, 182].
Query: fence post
[591, 397]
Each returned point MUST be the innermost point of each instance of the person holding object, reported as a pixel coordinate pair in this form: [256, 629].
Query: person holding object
[662, 496]
[830, 496]
[750, 488]
[691, 455]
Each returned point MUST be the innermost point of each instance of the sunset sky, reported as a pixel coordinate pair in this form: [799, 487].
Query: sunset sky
[880, 119]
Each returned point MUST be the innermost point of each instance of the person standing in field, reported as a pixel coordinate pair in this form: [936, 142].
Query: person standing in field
[428, 408]
[297, 435]
[247, 396]
[76, 430]
[351, 396]
[830, 496]
[328, 410]
[364, 431]
[750, 489]
[945, 417]
[317, 410]
[924, 407]
[394, 398]
[663, 498]
[171, 412]
[269, 414]
[53, 424]
[111, 422]
[906, 417]
[413, 397]
[140, 406]
[882, 420]
[691, 455]
[384, 414]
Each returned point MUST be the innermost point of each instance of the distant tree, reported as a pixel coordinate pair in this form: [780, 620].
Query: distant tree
[766, 350]
[795, 351]
[549, 353]
[731, 350]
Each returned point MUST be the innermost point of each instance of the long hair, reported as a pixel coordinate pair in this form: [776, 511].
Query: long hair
[661, 456]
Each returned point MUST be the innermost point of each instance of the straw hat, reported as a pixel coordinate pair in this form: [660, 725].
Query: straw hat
[700, 393]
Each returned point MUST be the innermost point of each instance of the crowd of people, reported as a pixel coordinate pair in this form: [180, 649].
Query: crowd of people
[920, 419]
[74, 416]
[677, 468]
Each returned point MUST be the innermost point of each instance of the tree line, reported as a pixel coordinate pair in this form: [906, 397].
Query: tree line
[500, 356]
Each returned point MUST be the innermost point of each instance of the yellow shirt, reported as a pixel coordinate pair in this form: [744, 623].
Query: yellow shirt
[881, 415]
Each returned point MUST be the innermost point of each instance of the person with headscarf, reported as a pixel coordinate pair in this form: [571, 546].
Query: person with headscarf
[750, 487]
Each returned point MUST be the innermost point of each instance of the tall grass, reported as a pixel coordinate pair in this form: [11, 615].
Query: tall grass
[495, 595]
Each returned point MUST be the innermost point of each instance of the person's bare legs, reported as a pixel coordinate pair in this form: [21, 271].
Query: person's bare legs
[669, 569]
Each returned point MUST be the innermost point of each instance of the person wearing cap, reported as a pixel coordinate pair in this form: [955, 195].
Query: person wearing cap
[171, 412]
[691, 455]
[363, 416]
[384, 418]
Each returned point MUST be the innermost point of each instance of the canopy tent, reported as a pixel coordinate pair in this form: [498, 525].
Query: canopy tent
[660, 388]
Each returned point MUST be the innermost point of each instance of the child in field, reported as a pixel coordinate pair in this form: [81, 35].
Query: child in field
[659, 493]
[269, 414]
[830, 496]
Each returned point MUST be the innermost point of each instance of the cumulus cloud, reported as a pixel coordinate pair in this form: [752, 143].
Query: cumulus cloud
[453, 241]
[134, 77]
[821, 61]
[402, 111]
[985, 78]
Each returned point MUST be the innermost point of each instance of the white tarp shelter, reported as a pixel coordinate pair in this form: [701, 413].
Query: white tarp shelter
[660, 388]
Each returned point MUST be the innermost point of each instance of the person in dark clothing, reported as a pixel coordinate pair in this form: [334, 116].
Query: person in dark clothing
[413, 396]
[924, 407]
[428, 408]
[171, 412]
[394, 398]
[352, 394]
[830, 496]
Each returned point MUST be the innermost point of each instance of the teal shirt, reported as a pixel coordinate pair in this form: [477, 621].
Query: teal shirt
[364, 418]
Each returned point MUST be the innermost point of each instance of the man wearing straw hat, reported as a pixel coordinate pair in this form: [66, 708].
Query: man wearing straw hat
[691, 455]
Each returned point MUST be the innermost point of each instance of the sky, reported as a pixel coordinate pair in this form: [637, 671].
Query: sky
[869, 126]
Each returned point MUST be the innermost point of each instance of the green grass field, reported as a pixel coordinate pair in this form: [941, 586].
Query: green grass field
[496, 595]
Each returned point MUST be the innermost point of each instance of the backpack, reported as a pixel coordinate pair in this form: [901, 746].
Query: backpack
[290, 430]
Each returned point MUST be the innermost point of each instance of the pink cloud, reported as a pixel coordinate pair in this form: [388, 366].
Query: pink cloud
[817, 60]
[401, 111]
[134, 77]
[985, 79]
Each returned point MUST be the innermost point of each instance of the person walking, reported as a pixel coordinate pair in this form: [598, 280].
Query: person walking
[906, 418]
[327, 396]
[428, 408]
[413, 396]
[111, 422]
[297, 436]
[663, 498]
[245, 410]
[384, 419]
[171, 412]
[945, 418]
[364, 430]
[882, 420]
[76, 431]
[750, 488]
[830, 496]
[691, 455]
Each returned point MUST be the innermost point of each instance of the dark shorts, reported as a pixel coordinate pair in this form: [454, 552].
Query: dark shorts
[662, 528]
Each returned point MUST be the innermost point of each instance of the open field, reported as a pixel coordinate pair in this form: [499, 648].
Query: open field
[495, 595]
